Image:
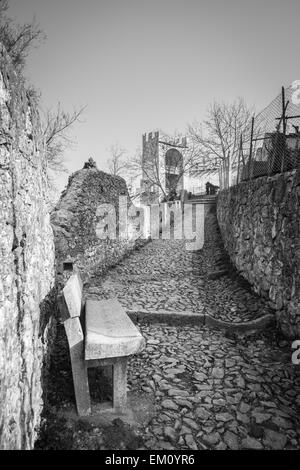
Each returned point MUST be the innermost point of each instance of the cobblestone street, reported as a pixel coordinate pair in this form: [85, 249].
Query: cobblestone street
[213, 392]
[210, 390]
[165, 277]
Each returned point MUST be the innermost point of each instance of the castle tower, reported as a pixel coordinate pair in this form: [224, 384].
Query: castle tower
[162, 167]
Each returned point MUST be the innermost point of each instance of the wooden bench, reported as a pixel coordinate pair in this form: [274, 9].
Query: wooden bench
[109, 339]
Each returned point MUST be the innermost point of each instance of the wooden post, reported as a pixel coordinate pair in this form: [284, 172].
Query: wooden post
[283, 110]
[239, 160]
[251, 149]
[223, 175]
[229, 169]
[227, 174]
[283, 127]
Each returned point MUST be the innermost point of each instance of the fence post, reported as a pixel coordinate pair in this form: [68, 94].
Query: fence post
[239, 160]
[283, 127]
[251, 149]
[222, 175]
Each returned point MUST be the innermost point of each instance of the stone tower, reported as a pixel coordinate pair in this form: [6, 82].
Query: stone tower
[162, 166]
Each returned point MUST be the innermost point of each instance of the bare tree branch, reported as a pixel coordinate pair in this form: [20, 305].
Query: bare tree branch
[221, 137]
[18, 39]
[116, 161]
[56, 132]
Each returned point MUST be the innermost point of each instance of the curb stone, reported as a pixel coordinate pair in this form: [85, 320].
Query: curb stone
[182, 318]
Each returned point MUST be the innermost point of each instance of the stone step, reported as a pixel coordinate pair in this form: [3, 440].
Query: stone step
[202, 201]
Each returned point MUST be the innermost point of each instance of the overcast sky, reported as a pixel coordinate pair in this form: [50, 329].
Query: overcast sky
[141, 65]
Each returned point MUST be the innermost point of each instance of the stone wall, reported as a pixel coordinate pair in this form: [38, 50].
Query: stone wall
[26, 263]
[260, 226]
[76, 223]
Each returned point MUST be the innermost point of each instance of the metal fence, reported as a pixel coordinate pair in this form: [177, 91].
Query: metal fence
[272, 143]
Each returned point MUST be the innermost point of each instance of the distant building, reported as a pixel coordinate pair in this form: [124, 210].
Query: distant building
[164, 161]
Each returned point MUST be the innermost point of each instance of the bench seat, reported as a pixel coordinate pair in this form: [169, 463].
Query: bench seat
[109, 331]
[109, 338]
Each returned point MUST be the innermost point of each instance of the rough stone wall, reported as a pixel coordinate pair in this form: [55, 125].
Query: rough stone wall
[259, 222]
[75, 221]
[26, 263]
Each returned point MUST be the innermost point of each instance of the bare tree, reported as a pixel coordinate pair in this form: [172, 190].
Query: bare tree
[157, 171]
[120, 164]
[116, 162]
[18, 39]
[133, 172]
[150, 170]
[219, 142]
[56, 133]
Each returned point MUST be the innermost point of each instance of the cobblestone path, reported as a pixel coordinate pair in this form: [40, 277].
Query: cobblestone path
[164, 276]
[213, 392]
[209, 390]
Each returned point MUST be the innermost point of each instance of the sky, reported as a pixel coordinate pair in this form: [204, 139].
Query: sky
[142, 65]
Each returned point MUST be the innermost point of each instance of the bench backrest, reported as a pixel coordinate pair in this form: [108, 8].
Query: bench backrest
[70, 305]
[70, 299]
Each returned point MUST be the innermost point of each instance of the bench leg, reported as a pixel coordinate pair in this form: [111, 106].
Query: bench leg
[80, 380]
[120, 384]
